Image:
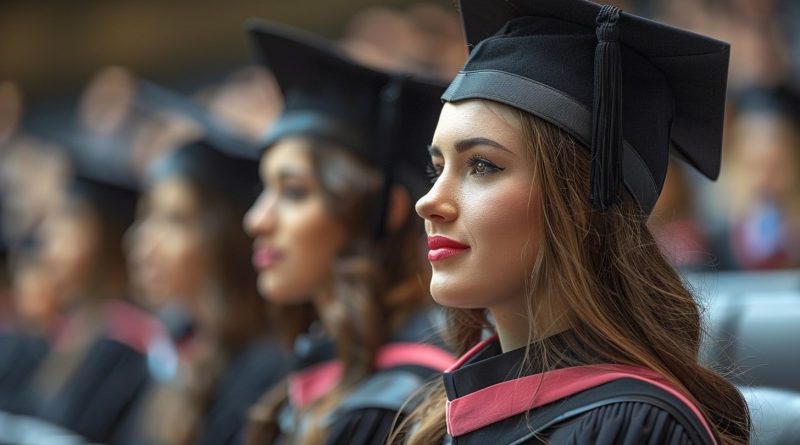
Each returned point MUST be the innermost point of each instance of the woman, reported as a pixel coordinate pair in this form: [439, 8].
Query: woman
[595, 338]
[337, 246]
[187, 249]
[97, 362]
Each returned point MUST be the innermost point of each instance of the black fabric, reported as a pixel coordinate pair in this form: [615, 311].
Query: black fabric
[20, 355]
[330, 97]
[366, 415]
[625, 411]
[363, 427]
[673, 82]
[251, 374]
[99, 394]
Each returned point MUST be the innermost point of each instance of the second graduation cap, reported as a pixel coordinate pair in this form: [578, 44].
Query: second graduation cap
[628, 88]
[387, 119]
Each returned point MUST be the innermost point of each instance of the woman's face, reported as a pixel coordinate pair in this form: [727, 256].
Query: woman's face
[296, 236]
[168, 251]
[70, 242]
[479, 213]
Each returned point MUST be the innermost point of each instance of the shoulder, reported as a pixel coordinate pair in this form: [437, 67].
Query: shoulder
[624, 423]
[626, 411]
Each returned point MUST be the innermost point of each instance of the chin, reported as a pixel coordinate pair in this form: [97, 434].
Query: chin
[452, 297]
[280, 293]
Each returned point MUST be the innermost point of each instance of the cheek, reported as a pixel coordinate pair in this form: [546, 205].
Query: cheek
[309, 239]
[502, 233]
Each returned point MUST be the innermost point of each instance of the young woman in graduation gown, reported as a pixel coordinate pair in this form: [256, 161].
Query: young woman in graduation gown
[337, 245]
[548, 156]
[97, 364]
[188, 250]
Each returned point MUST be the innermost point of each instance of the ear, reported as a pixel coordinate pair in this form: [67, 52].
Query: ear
[398, 209]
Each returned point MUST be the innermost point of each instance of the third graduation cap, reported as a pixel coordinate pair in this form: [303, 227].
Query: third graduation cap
[387, 119]
[628, 88]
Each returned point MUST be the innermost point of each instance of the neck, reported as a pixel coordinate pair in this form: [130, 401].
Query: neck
[516, 327]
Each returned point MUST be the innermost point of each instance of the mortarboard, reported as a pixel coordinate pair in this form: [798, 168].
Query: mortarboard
[628, 88]
[387, 119]
[229, 172]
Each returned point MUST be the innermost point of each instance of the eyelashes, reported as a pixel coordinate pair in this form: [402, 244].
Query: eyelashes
[478, 166]
[481, 167]
[433, 172]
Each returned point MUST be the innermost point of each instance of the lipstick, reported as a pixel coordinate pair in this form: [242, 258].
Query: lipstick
[264, 257]
[442, 248]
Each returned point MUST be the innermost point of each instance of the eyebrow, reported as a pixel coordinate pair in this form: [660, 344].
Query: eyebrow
[467, 144]
[291, 173]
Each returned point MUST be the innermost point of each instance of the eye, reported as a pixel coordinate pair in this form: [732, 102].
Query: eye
[481, 167]
[434, 171]
[294, 192]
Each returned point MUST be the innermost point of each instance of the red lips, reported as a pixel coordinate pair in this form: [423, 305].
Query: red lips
[442, 247]
[264, 257]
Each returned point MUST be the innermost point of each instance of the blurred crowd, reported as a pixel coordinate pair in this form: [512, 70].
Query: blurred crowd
[62, 279]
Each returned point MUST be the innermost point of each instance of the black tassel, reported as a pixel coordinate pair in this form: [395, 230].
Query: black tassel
[607, 113]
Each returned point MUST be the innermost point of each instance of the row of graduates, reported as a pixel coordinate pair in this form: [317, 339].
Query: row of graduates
[338, 253]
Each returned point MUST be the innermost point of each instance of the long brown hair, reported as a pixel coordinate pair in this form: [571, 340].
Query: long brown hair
[375, 285]
[625, 302]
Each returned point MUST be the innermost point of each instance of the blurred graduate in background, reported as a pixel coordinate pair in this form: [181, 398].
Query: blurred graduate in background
[336, 243]
[188, 250]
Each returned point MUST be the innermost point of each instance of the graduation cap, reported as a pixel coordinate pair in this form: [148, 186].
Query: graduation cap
[629, 88]
[102, 177]
[386, 119]
[152, 96]
[230, 173]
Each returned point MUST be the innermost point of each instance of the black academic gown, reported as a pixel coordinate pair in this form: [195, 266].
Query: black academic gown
[411, 357]
[98, 396]
[623, 411]
[20, 355]
[254, 371]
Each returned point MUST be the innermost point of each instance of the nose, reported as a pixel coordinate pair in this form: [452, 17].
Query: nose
[260, 219]
[139, 242]
[438, 205]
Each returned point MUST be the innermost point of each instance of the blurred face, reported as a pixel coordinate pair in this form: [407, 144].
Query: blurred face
[768, 150]
[478, 214]
[70, 242]
[168, 253]
[296, 237]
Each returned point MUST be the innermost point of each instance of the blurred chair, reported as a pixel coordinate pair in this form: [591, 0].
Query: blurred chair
[775, 415]
[752, 326]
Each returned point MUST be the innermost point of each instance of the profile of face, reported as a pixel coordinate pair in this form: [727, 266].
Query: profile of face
[70, 247]
[296, 236]
[168, 252]
[481, 213]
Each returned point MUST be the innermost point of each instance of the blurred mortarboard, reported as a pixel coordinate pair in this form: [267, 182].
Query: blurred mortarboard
[628, 88]
[103, 177]
[152, 96]
[220, 159]
[231, 174]
[387, 119]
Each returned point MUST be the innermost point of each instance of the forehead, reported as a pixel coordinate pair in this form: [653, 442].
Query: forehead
[173, 192]
[479, 118]
[288, 153]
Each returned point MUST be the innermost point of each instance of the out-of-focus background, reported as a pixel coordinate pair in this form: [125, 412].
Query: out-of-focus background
[127, 80]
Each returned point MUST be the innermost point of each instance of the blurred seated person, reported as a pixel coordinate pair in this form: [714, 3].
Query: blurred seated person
[97, 364]
[764, 227]
[188, 249]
